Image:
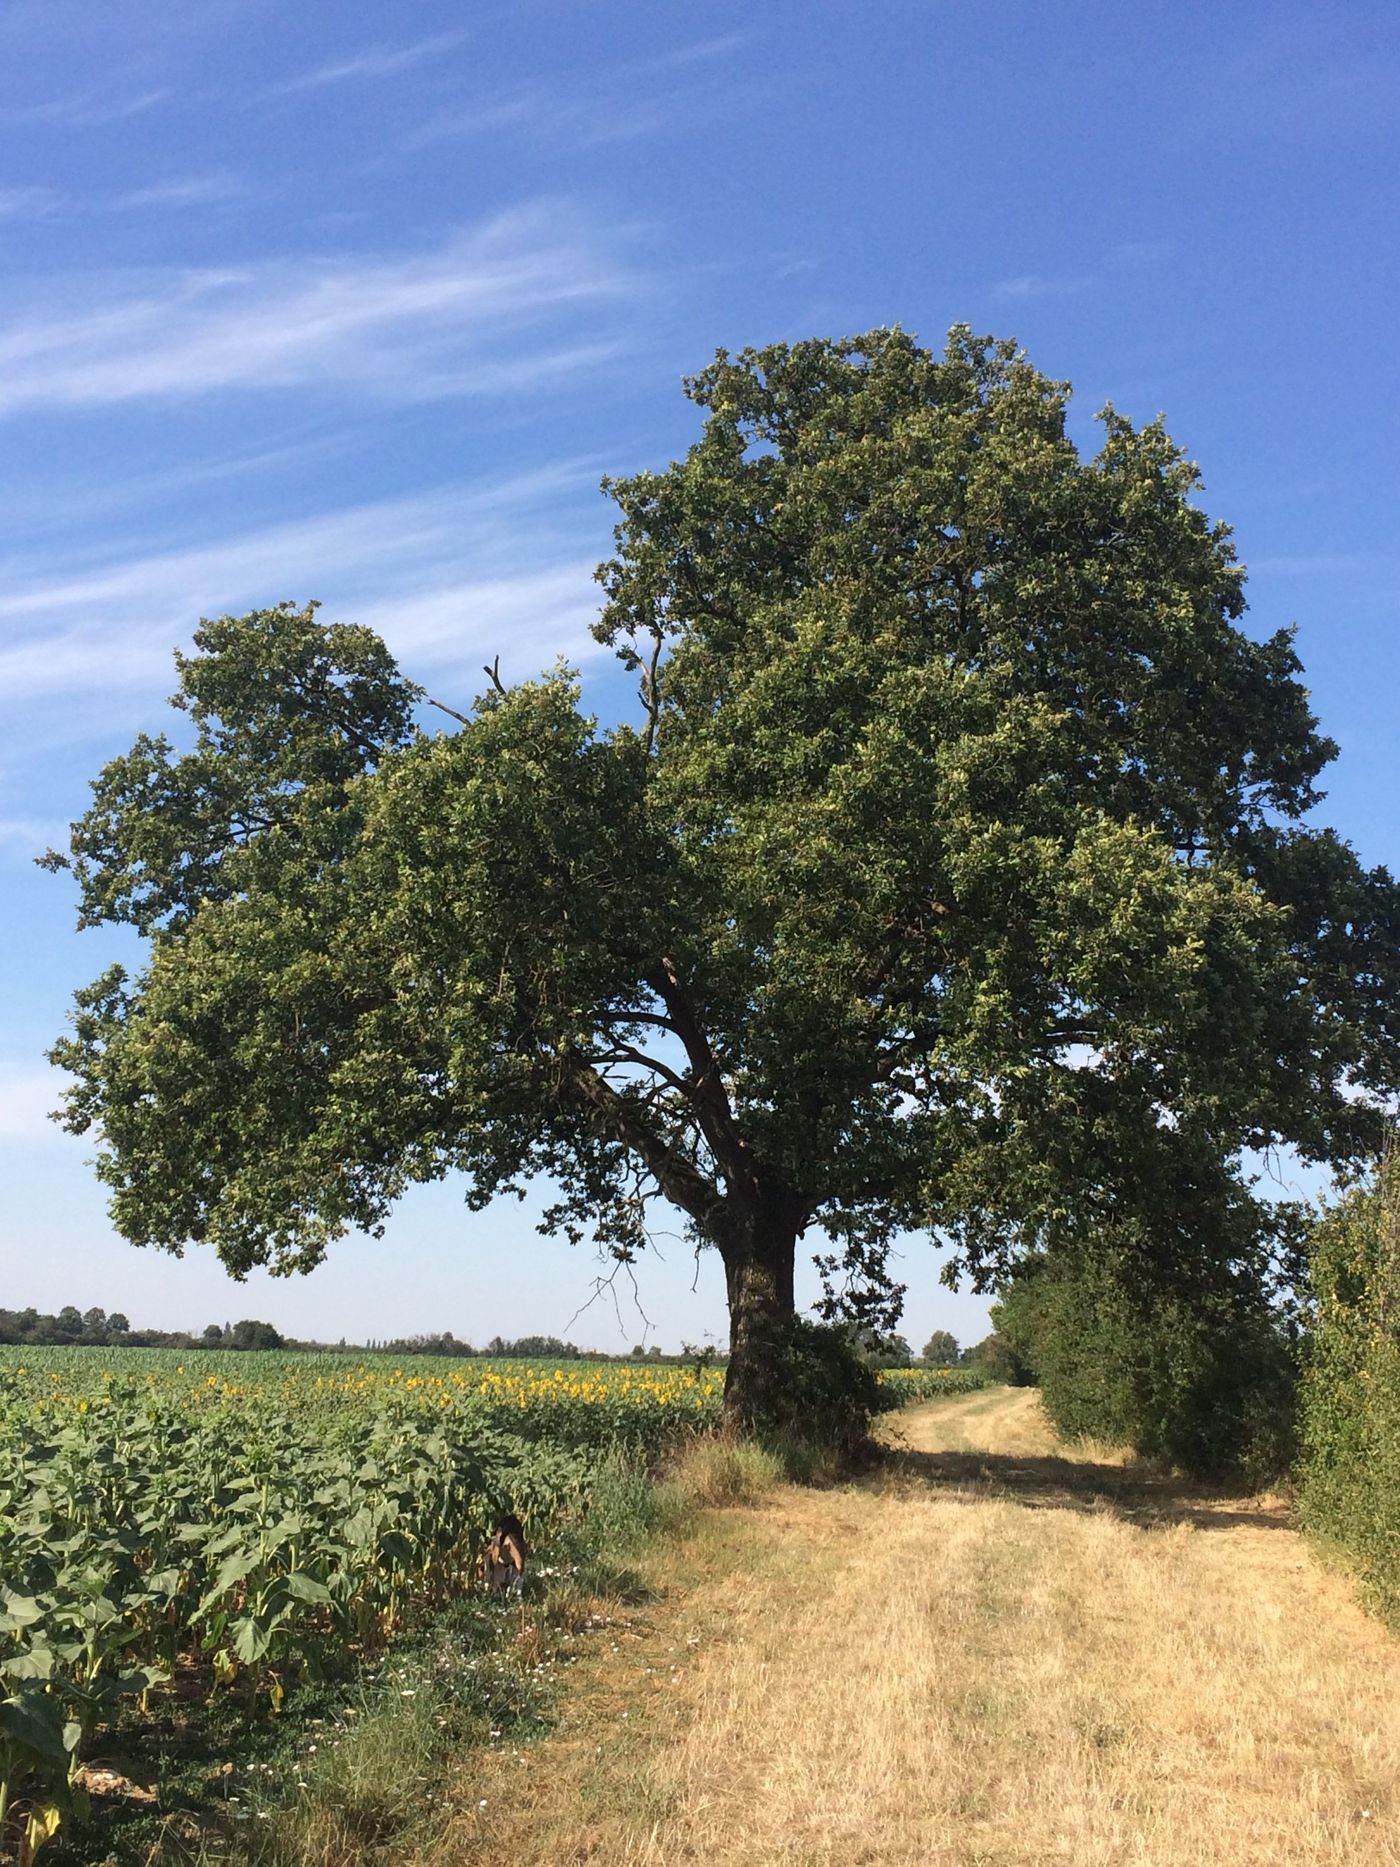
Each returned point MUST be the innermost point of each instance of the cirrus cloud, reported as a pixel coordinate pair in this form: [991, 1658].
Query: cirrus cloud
[501, 307]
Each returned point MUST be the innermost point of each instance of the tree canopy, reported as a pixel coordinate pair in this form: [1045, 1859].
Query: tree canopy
[953, 873]
[941, 1349]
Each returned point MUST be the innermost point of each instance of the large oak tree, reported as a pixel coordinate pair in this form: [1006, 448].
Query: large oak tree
[952, 874]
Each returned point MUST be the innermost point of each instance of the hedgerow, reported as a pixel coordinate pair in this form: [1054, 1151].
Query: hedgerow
[1349, 1473]
[1199, 1378]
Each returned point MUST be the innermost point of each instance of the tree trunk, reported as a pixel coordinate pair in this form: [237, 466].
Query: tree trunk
[759, 1253]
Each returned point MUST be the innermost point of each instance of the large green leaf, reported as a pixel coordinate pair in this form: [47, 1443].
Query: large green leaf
[35, 1720]
[304, 1586]
[34, 1663]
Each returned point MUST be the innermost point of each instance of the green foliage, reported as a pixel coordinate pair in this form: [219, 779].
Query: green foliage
[1349, 1472]
[624, 1505]
[719, 1472]
[826, 1393]
[245, 1520]
[941, 1349]
[359, 1786]
[880, 1348]
[1203, 1379]
[951, 766]
[999, 1361]
[95, 1329]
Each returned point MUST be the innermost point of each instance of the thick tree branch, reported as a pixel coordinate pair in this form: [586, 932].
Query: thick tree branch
[681, 1182]
[624, 1053]
[651, 691]
[637, 1017]
[711, 1098]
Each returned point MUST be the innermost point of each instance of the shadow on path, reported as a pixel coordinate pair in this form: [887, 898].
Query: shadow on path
[1043, 1482]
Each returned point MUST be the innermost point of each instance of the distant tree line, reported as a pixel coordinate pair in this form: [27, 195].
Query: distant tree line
[881, 1349]
[245, 1334]
[520, 1348]
[94, 1328]
[537, 1347]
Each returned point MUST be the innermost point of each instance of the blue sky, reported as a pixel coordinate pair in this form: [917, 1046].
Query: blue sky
[359, 303]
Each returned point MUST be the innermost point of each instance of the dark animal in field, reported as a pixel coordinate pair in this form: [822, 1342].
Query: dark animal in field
[500, 1567]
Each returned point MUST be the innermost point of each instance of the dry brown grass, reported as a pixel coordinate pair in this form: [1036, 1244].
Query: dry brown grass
[999, 1651]
[712, 1472]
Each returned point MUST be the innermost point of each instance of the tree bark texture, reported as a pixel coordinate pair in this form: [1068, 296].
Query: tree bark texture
[759, 1258]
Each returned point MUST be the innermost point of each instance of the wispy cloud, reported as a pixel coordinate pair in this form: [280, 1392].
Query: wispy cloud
[1356, 565]
[642, 97]
[378, 61]
[701, 52]
[439, 575]
[581, 123]
[181, 191]
[494, 309]
[30, 836]
[1038, 285]
[84, 110]
[29, 203]
[43, 203]
[90, 495]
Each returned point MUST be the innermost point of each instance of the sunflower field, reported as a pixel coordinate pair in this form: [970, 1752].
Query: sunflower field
[189, 1524]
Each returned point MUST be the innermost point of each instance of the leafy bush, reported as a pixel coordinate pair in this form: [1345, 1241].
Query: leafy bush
[994, 1358]
[880, 1348]
[1201, 1378]
[1350, 1427]
[830, 1393]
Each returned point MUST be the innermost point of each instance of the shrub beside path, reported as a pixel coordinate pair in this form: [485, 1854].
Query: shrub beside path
[997, 1650]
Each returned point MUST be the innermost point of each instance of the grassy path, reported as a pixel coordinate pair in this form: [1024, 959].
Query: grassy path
[996, 1652]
